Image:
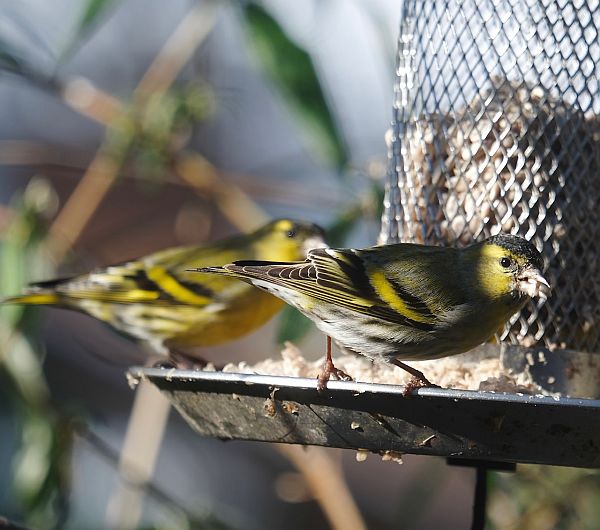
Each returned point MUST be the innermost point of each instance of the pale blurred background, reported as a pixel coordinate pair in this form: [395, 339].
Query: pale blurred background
[198, 120]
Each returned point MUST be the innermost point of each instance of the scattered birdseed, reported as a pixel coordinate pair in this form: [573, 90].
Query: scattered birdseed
[361, 455]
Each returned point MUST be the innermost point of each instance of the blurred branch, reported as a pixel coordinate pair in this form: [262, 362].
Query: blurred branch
[6, 216]
[148, 418]
[135, 478]
[82, 204]
[27, 152]
[105, 167]
[178, 50]
[51, 160]
[81, 95]
[233, 202]
[327, 484]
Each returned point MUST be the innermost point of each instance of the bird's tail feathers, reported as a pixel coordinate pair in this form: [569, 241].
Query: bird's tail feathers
[241, 268]
[213, 270]
[40, 293]
[40, 298]
[233, 269]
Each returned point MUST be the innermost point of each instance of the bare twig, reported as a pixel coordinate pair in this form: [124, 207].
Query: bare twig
[131, 475]
[80, 94]
[82, 203]
[178, 50]
[104, 169]
[327, 484]
[140, 449]
[235, 204]
[51, 160]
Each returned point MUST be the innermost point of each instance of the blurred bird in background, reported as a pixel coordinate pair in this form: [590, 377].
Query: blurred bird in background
[404, 301]
[157, 300]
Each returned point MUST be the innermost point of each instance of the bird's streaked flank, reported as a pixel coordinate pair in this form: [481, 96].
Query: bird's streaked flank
[404, 302]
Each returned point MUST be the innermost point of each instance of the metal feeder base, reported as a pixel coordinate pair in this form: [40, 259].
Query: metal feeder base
[489, 426]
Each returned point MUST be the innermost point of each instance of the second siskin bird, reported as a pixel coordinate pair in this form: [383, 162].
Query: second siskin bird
[404, 301]
[156, 300]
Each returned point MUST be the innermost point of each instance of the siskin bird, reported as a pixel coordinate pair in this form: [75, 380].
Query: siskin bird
[404, 301]
[157, 300]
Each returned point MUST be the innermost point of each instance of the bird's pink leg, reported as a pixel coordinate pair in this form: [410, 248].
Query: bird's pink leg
[329, 369]
[418, 380]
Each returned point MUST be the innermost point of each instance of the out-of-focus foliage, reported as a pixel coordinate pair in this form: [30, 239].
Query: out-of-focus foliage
[8, 58]
[14, 61]
[22, 259]
[91, 16]
[545, 498]
[41, 466]
[291, 68]
[151, 136]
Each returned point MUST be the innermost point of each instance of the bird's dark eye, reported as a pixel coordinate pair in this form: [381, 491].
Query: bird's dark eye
[291, 233]
[506, 262]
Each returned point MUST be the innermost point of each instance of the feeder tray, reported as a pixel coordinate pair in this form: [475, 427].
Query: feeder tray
[494, 427]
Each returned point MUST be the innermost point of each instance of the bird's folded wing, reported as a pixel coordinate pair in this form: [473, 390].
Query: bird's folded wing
[339, 277]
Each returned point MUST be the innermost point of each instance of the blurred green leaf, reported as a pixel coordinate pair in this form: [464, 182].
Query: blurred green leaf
[293, 325]
[91, 12]
[21, 257]
[16, 61]
[10, 59]
[41, 464]
[291, 69]
[42, 467]
[90, 17]
[545, 497]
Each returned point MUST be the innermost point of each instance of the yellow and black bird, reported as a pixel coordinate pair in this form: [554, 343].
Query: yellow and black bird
[404, 301]
[157, 300]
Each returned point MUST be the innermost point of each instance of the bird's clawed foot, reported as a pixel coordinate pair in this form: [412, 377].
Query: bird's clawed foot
[415, 383]
[418, 380]
[330, 370]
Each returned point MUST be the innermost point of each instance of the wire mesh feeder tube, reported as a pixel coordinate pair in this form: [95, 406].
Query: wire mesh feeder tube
[496, 128]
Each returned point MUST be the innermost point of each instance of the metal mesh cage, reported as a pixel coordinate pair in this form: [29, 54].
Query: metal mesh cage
[497, 128]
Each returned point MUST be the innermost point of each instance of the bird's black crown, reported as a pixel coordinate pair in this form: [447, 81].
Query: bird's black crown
[518, 245]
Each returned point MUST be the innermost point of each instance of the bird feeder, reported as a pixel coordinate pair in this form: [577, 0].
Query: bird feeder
[497, 129]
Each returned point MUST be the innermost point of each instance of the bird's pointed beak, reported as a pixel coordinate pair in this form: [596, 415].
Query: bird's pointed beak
[532, 283]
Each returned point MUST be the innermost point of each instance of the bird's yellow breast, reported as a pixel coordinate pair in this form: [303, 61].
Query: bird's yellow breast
[251, 309]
